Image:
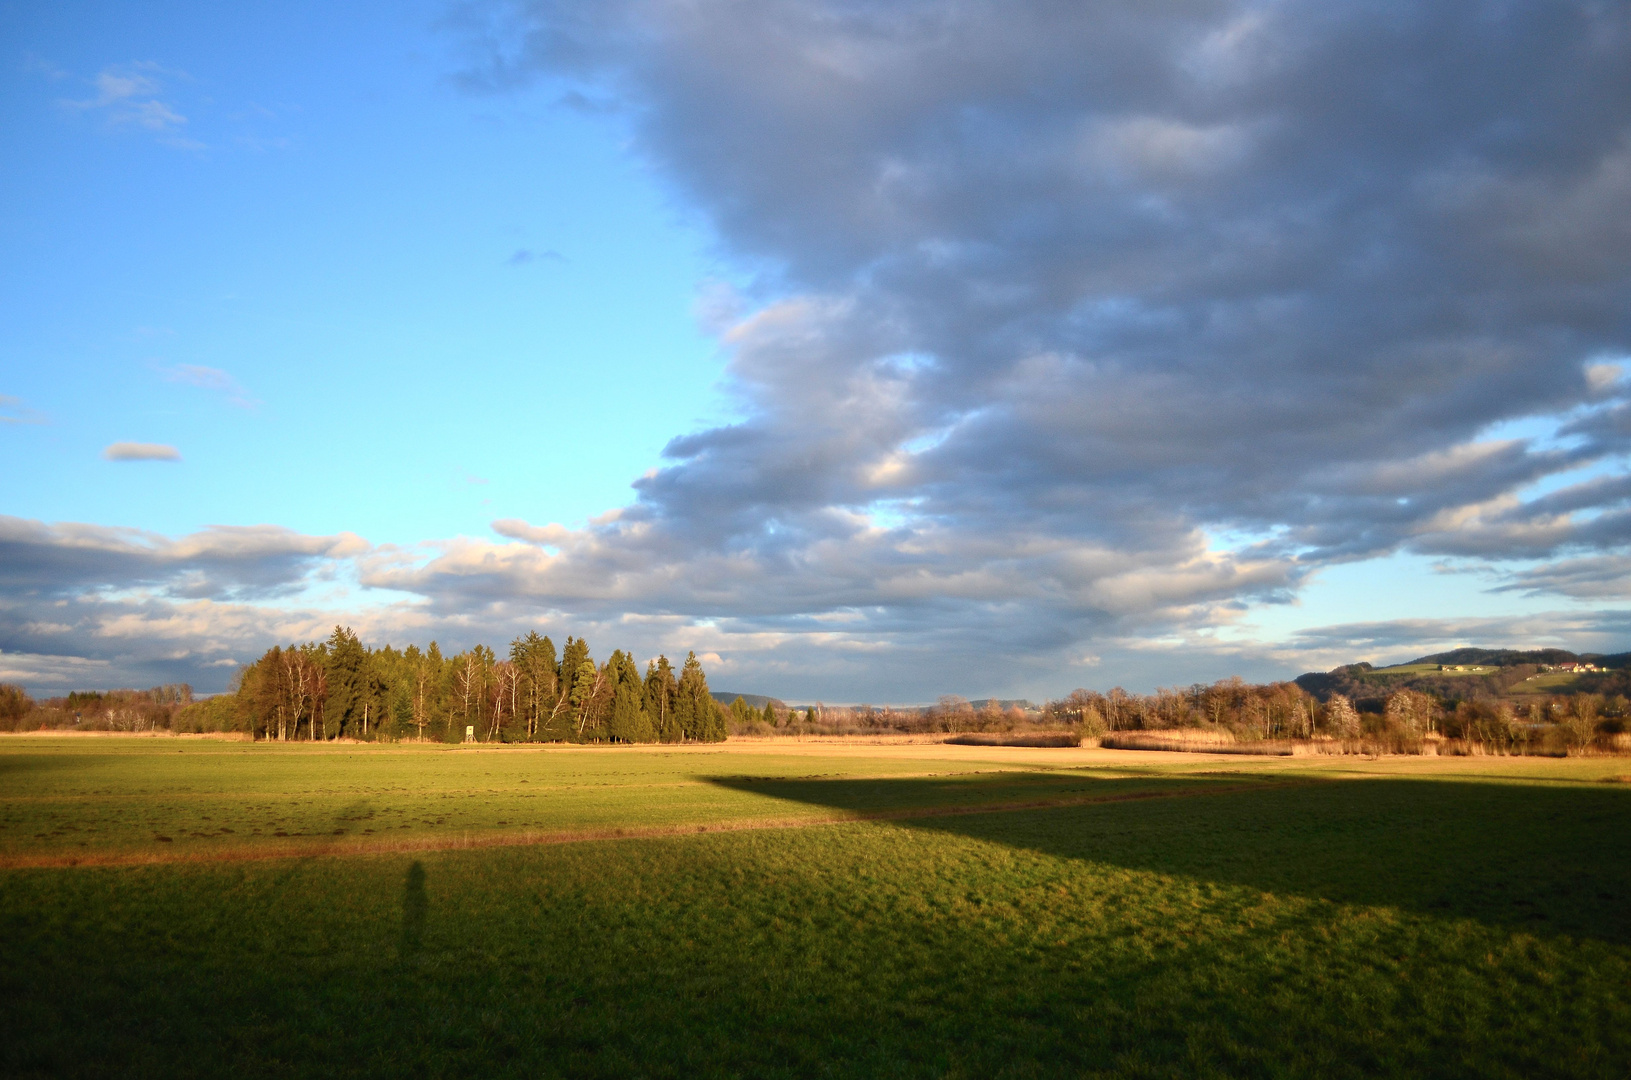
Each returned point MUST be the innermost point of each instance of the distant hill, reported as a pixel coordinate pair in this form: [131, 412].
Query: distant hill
[756, 700]
[1506, 672]
[1006, 703]
[1514, 657]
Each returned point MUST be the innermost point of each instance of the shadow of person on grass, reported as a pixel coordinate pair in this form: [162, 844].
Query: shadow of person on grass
[415, 909]
[1542, 859]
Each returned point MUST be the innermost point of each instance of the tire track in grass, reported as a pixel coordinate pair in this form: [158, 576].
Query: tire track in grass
[532, 837]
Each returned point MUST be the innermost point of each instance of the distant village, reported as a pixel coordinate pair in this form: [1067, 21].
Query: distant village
[1571, 668]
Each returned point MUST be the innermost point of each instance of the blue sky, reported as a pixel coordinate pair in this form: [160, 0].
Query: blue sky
[436, 307]
[873, 352]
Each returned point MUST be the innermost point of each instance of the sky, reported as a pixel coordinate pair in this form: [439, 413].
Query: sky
[871, 351]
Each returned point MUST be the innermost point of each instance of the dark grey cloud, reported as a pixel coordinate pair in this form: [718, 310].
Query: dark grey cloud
[88, 605]
[1589, 578]
[63, 560]
[1397, 640]
[1068, 322]
[85, 606]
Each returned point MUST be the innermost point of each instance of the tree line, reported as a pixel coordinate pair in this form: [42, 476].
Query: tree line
[96, 710]
[1405, 721]
[340, 688]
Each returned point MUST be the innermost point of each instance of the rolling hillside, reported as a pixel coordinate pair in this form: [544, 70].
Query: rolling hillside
[1485, 673]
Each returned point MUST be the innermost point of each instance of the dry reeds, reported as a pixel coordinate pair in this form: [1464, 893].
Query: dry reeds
[1043, 739]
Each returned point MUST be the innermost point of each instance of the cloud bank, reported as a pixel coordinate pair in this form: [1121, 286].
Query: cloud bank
[1066, 334]
[139, 608]
[1080, 321]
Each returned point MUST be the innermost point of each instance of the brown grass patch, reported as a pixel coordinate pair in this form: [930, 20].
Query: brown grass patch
[160, 733]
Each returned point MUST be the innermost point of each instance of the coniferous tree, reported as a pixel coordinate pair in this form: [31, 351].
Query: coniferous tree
[258, 692]
[714, 729]
[571, 692]
[376, 694]
[685, 701]
[546, 656]
[347, 690]
[428, 683]
[575, 652]
[629, 721]
[404, 668]
[770, 713]
[694, 706]
[661, 692]
[581, 685]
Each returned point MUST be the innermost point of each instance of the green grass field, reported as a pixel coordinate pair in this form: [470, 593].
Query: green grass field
[1555, 682]
[1432, 669]
[193, 908]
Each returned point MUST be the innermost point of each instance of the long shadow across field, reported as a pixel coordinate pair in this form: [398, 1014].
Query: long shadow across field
[1542, 858]
[14, 763]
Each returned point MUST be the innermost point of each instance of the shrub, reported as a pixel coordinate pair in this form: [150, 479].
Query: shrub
[14, 705]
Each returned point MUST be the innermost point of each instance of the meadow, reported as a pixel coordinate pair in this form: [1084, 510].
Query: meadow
[1435, 669]
[1555, 682]
[188, 907]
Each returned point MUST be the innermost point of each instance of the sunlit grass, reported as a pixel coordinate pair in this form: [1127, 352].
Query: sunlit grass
[1354, 918]
[87, 799]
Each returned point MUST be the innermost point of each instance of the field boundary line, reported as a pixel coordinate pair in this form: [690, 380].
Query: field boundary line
[534, 838]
